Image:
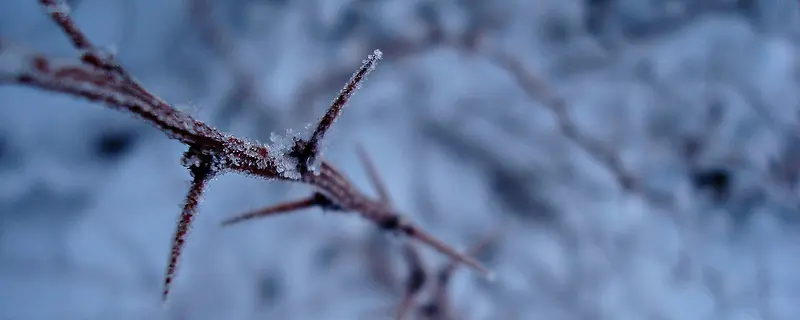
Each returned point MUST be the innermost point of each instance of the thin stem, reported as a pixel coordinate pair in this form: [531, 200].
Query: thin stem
[200, 176]
[310, 148]
[374, 177]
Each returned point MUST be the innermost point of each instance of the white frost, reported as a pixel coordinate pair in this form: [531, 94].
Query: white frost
[59, 7]
[280, 148]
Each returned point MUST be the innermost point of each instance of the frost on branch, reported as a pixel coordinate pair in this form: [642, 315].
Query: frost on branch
[201, 173]
[280, 149]
[307, 151]
[98, 77]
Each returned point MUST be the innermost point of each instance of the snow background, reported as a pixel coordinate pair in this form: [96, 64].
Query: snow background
[89, 197]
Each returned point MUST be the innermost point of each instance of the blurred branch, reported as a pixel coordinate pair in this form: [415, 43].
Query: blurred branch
[98, 77]
[245, 90]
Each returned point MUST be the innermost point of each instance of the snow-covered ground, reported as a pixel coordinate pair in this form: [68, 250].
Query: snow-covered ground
[678, 89]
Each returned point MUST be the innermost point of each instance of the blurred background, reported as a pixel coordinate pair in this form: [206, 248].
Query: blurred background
[671, 193]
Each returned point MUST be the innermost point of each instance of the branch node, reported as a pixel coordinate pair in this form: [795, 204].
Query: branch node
[307, 151]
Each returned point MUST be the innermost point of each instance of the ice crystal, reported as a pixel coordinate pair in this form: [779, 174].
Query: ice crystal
[281, 148]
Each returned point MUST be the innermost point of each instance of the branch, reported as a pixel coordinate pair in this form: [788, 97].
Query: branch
[372, 173]
[538, 90]
[417, 277]
[315, 200]
[59, 12]
[439, 305]
[201, 173]
[307, 151]
[98, 77]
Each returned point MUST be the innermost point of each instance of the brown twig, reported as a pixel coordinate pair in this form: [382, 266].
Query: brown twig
[377, 253]
[374, 177]
[438, 307]
[316, 200]
[538, 90]
[99, 78]
[418, 275]
[307, 151]
[415, 281]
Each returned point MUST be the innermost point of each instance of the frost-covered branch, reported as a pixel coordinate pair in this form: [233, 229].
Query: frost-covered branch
[97, 77]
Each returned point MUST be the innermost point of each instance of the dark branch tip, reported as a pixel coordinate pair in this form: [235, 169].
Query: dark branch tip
[390, 223]
[199, 162]
[325, 202]
[305, 153]
[430, 309]
[416, 280]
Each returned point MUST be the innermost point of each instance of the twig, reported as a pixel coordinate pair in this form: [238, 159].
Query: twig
[416, 279]
[372, 173]
[538, 90]
[99, 78]
[438, 307]
[418, 275]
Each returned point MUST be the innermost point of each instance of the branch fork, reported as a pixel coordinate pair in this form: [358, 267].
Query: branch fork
[98, 77]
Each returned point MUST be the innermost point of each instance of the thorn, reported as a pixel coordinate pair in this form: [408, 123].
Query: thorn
[405, 306]
[446, 272]
[372, 173]
[200, 177]
[307, 151]
[280, 208]
[417, 277]
[443, 248]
